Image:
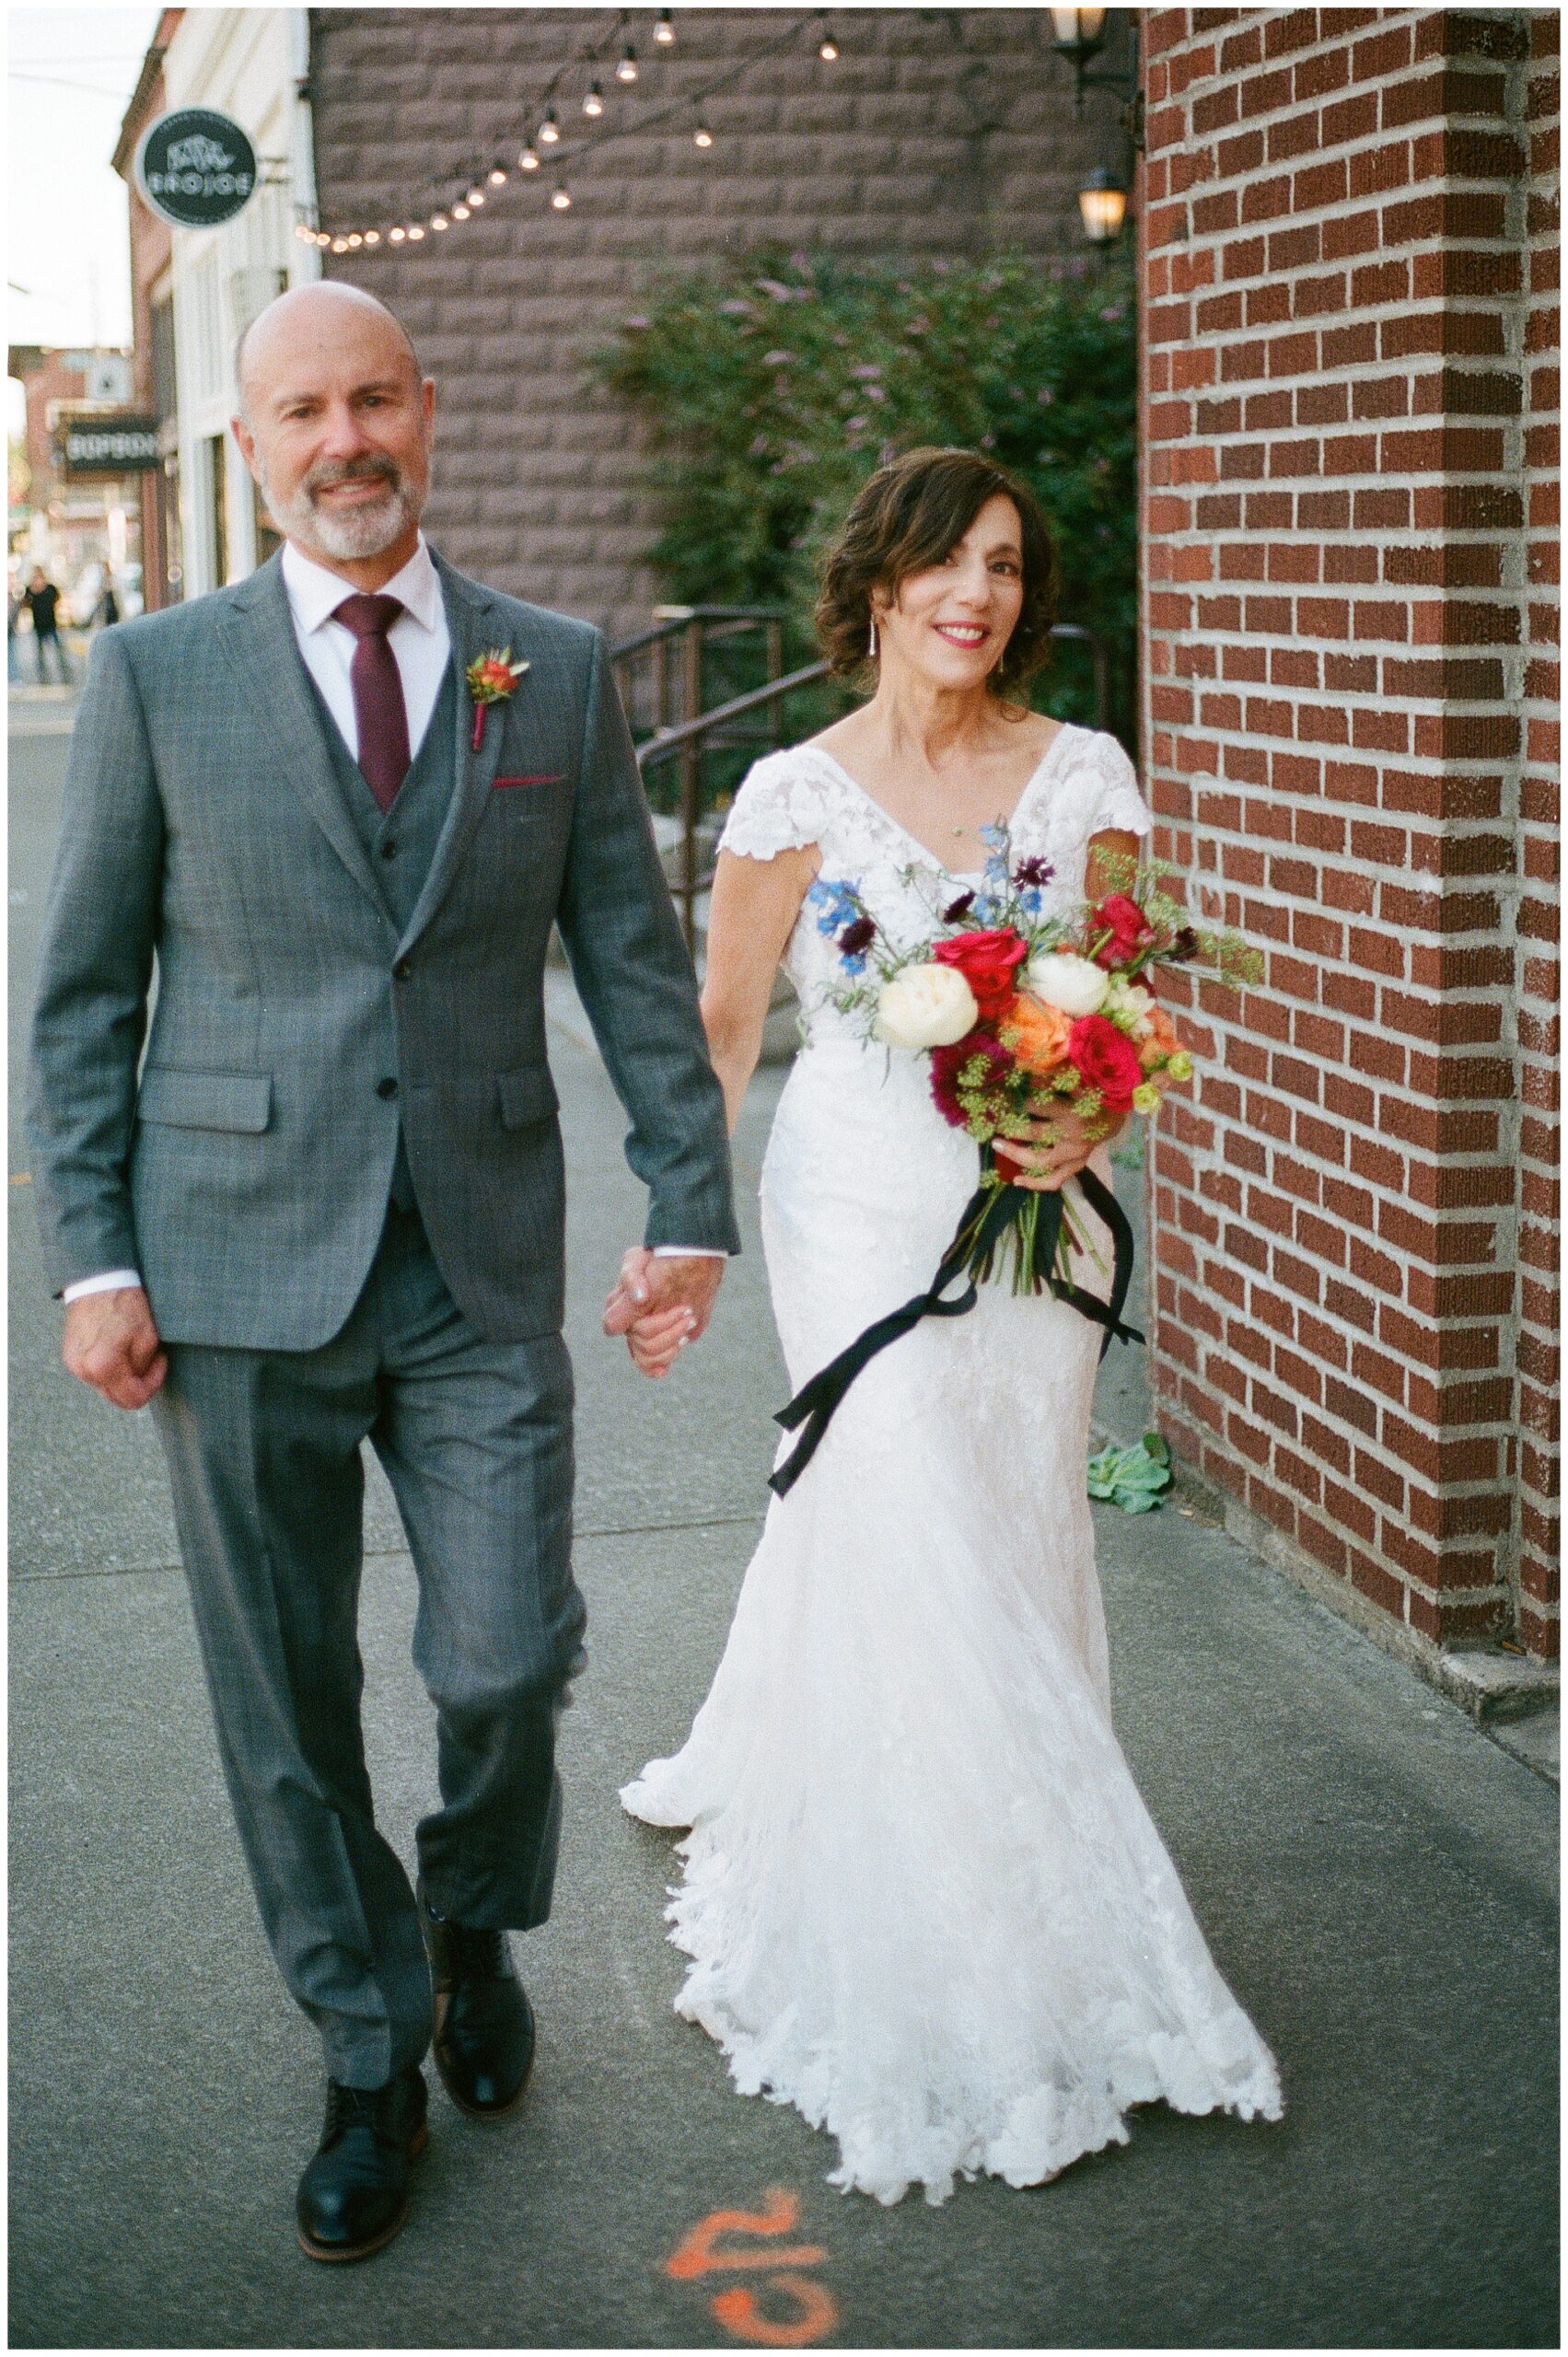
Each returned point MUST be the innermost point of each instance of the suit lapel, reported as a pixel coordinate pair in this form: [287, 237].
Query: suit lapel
[258, 634]
[475, 626]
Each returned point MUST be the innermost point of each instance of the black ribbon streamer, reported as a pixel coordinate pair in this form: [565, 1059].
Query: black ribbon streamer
[987, 1216]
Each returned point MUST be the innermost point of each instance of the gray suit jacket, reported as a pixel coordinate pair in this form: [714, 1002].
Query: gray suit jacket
[247, 1173]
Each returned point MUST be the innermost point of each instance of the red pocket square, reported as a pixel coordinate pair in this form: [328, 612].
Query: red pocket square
[545, 777]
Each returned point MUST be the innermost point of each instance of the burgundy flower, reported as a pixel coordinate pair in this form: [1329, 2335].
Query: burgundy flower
[948, 1064]
[858, 936]
[1183, 946]
[958, 908]
[1033, 871]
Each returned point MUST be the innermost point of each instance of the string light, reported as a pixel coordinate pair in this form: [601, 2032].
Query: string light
[549, 134]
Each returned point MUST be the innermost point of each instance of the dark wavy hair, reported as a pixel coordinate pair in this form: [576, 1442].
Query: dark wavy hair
[909, 516]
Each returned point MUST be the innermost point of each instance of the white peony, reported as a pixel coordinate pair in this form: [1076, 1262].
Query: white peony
[1129, 1004]
[1074, 984]
[926, 1006]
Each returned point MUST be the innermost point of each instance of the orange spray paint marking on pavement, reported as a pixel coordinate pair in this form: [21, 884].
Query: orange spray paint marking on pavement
[812, 2312]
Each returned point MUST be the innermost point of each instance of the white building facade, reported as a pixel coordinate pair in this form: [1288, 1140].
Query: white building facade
[250, 65]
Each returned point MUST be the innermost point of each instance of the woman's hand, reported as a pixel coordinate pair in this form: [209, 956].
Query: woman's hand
[1060, 1145]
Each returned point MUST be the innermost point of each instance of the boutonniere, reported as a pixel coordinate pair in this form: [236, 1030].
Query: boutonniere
[493, 678]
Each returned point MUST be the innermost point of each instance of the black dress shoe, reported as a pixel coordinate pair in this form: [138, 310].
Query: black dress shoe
[484, 2030]
[354, 2195]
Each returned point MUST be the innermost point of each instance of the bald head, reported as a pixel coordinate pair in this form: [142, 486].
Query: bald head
[335, 424]
[307, 316]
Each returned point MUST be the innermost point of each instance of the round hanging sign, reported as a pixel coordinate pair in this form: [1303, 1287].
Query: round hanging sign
[197, 169]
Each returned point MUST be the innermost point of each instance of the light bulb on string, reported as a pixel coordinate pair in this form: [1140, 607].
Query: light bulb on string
[527, 161]
[438, 221]
[474, 199]
[373, 236]
[627, 69]
[561, 199]
[356, 241]
[416, 231]
[663, 32]
[593, 105]
[702, 137]
[496, 176]
[459, 213]
[548, 130]
[828, 49]
[340, 245]
[396, 237]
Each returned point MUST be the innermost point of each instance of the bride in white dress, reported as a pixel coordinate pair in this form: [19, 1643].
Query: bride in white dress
[923, 1899]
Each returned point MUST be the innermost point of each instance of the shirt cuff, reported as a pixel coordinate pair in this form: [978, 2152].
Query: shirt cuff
[111, 1280]
[690, 1252]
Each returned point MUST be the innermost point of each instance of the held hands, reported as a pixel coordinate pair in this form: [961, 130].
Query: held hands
[1061, 1146]
[662, 1302]
[111, 1343]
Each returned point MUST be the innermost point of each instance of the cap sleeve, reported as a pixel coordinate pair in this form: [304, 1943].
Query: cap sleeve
[776, 808]
[1113, 801]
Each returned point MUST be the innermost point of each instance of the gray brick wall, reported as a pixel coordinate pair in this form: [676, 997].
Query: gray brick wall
[936, 132]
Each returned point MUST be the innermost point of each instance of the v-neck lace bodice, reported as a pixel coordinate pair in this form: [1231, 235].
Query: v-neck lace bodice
[1083, 785]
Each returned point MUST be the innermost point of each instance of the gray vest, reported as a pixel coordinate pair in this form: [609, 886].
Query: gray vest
[400, 842]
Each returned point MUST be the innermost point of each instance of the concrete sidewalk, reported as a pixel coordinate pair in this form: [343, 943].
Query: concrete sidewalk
[1374, 1876]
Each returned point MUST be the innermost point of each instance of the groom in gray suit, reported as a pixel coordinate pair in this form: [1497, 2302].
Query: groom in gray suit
[327, 1207]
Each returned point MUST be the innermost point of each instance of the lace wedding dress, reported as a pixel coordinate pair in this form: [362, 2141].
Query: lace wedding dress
[924, 1901]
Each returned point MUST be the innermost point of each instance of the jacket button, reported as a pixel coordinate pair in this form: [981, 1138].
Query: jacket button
[385, 1088]
[402, 970]
[388, 851]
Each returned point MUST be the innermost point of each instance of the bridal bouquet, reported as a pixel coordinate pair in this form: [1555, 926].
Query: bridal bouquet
[1020, 1016]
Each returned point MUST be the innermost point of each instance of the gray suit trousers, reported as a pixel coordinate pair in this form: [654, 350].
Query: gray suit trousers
[263, 1450]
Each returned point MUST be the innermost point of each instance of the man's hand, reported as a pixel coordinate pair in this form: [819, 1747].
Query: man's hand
[663, 1302]
[111, 1343]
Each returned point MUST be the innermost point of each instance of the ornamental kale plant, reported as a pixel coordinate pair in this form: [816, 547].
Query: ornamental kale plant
[772, 389]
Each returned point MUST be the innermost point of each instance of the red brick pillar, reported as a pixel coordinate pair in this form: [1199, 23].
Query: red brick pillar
[1347, 731]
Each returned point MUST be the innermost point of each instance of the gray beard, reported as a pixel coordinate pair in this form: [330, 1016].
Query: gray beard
[364, 533]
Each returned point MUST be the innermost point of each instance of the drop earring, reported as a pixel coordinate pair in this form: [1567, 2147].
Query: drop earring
[871, 649]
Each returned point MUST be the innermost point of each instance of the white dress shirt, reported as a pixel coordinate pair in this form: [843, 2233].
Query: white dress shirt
[422, 646]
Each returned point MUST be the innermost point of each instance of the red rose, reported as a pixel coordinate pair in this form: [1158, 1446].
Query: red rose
[1129, 928]
[1106, 1060]
[988, 961]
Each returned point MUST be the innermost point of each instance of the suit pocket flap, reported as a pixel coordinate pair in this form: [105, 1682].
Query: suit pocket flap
[527, 1095]
[205, 1100]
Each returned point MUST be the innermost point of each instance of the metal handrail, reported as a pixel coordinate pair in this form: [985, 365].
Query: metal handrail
[671, 740]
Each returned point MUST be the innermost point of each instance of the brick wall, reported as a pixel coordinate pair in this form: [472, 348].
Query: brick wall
[1350, 255]
[935, 132]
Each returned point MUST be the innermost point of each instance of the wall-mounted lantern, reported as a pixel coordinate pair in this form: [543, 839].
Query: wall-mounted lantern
[1102, 201]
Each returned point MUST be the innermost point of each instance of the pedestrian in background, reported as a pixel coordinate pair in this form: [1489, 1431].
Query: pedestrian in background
[106, 613]
[13, 608]
[42, 599]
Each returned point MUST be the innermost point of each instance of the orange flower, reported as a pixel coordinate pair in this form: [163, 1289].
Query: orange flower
[1037, 1034]
[1160, 1040]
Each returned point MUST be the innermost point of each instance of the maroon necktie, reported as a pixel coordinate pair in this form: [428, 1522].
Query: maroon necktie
[379, 713]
